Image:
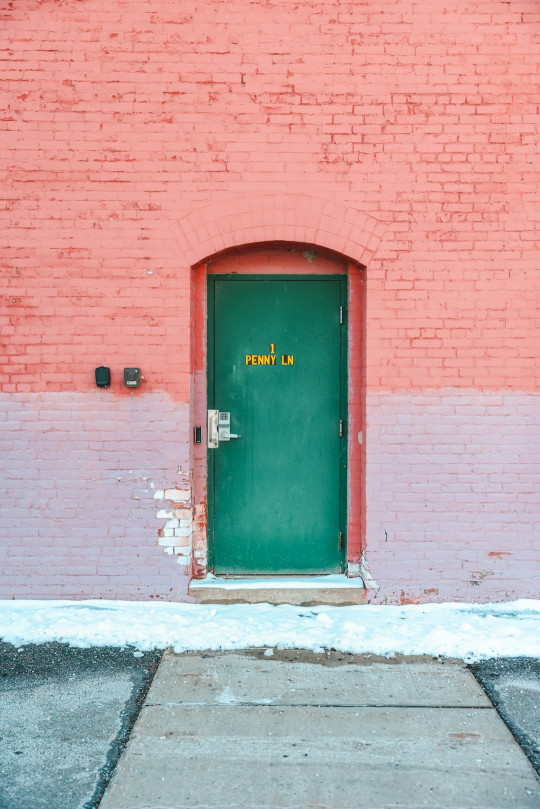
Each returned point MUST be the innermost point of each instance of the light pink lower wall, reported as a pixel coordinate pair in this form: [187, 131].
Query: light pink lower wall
[453, 496]
[79, 474]
[89, 482]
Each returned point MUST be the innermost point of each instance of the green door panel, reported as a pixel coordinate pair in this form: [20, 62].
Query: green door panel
[276, 347]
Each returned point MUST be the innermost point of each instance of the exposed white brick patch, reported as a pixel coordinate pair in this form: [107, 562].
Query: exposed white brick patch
[369, 581]
[353, 570]
[175, 495]
[200, 537]
[175, 537]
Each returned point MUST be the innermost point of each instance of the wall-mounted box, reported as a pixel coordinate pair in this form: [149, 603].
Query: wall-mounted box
[132, 377]
[103, 376]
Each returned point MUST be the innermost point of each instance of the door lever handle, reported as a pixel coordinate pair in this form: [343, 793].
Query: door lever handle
[219, 424]
[224, 435]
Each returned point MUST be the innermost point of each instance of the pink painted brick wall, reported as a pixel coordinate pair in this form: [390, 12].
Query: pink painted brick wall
[79, 477]
[121, 120]
[453, 495]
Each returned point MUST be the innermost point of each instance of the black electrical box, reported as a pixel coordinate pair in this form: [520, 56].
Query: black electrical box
[103, 376]
[132, 377]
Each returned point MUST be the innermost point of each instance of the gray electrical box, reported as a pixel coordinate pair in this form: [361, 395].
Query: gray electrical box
[132, 377]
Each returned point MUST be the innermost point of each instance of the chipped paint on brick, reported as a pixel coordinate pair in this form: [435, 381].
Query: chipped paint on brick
[200, 551]
[353, 570]
[175, 536]
[369, 581]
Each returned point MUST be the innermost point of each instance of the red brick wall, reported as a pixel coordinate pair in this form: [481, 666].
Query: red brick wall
[410, 135]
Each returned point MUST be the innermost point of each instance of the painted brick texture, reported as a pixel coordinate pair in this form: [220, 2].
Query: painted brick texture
[453, 495]
[79, 515]
[121, 118]
[140, 138]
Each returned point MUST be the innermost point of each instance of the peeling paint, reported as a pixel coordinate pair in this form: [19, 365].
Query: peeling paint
[199, 538]
[175, 537]
[369, 581]
[405, 599]
[480, 575]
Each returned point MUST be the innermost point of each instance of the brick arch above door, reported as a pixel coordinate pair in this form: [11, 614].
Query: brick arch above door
[299, 218]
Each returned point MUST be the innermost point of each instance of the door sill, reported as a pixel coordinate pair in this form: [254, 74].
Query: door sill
[301, 591]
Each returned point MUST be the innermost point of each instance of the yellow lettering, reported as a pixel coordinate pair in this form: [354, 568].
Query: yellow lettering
[287, 359]
[267, 359]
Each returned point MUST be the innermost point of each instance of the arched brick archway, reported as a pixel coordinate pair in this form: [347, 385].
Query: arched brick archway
[295, 218]
[299, 220]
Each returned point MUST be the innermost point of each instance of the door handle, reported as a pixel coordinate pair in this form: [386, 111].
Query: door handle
[219, 428]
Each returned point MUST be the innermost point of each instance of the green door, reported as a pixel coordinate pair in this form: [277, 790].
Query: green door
[277, 364]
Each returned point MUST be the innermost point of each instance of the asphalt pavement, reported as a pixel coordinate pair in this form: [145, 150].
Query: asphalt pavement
[65, 715]
[513, 686]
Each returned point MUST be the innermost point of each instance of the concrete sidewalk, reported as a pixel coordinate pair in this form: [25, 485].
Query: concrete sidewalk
[318, 732]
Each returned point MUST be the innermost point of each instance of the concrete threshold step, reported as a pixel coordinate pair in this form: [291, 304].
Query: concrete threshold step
[302, 591]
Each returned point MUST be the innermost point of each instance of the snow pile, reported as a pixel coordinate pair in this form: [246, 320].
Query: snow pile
[467, 631]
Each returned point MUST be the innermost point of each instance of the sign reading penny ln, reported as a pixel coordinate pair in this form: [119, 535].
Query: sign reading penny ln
[269, 359]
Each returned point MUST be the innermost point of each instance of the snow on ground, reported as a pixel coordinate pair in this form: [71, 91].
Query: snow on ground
[468, 631]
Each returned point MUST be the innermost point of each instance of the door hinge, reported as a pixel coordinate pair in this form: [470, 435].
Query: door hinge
[341, 428]
[341, 315]
[341, 540]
